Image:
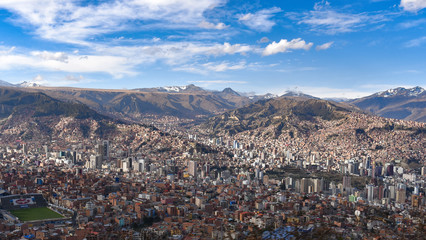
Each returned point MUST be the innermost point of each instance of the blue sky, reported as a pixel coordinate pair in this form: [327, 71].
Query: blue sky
[324, 48]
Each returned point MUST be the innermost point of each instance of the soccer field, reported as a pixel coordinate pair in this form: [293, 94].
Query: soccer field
[31, 214]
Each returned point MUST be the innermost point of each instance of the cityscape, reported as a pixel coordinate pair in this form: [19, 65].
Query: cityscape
[202, 120]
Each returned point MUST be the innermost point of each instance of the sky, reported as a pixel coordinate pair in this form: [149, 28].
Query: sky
[343, 49]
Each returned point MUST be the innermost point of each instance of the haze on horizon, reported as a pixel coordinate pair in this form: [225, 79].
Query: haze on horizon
[322, 48]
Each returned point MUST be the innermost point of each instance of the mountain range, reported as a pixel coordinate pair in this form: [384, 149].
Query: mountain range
[323, 126]
[398, 103]
[30, 115]
[22, 84]
[320, 126]
[276, 115]
[195, 103]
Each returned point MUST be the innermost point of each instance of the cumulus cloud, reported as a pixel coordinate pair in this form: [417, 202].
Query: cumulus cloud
[73, 21]
[261, 20]
[324, 46]
[121, 61]
[209, 25]
[116, 66]
[38, 79]
[56, 56]
[284, 46]
[413, 5]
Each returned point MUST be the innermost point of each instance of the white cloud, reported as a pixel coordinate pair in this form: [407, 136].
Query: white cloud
[219, 81]
[413, 5]
[298, 69]
[324, 46]
[224, 66]
[73, 22]
[38, 79]
[411, 24]
[206, 68]
[116, 66]
[284, 46]
[324, 19]
[416, 42]
[72, 78]
[261, 20]
[122, 60]
[174, 53]
[56, 56]
[209, 25]
[6, 50]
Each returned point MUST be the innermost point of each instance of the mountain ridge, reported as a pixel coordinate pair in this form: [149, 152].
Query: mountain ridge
[399, 103]
[28, 115]
[193, 102]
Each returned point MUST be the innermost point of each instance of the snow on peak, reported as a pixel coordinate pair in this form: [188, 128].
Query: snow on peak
[411, 92]
[269, 96]
[28, 84]
[174, 88]
[416, 91]
[190, 87]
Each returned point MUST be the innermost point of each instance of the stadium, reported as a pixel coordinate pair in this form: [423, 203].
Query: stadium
[27, 208]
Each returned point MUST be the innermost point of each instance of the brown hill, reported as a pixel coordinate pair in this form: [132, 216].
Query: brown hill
[34, 115]
[135, 104]
[398, 103]
[327, 128]
[279, 113]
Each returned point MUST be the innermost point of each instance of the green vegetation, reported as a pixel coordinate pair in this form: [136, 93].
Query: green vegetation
[31, 214]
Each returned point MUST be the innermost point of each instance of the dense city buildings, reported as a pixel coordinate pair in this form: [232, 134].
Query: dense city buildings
[149, 185]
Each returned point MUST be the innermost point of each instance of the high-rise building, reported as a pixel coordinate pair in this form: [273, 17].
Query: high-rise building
[346, 183]
[192, 168]
[392, 192]
[95, 162]
[415, 200]
[206, 168]
[401, 195]
[304, 183]
[105, 150]
[317, 185]
[25, 148]
[74, 157]
[370, 192]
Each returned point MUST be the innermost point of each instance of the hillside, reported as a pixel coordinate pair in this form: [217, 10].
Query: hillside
[327, 128]
[191, 102]
[279, 113]
[398, 103]
[28, 115]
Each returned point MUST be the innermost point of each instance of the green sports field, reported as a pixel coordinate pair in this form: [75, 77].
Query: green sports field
[31, 214]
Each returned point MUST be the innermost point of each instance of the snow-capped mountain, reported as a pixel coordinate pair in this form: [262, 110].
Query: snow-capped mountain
[400, 103]
[172, 89]
[409, 92]
[28, 84]
[298, 94]
[261, 97]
